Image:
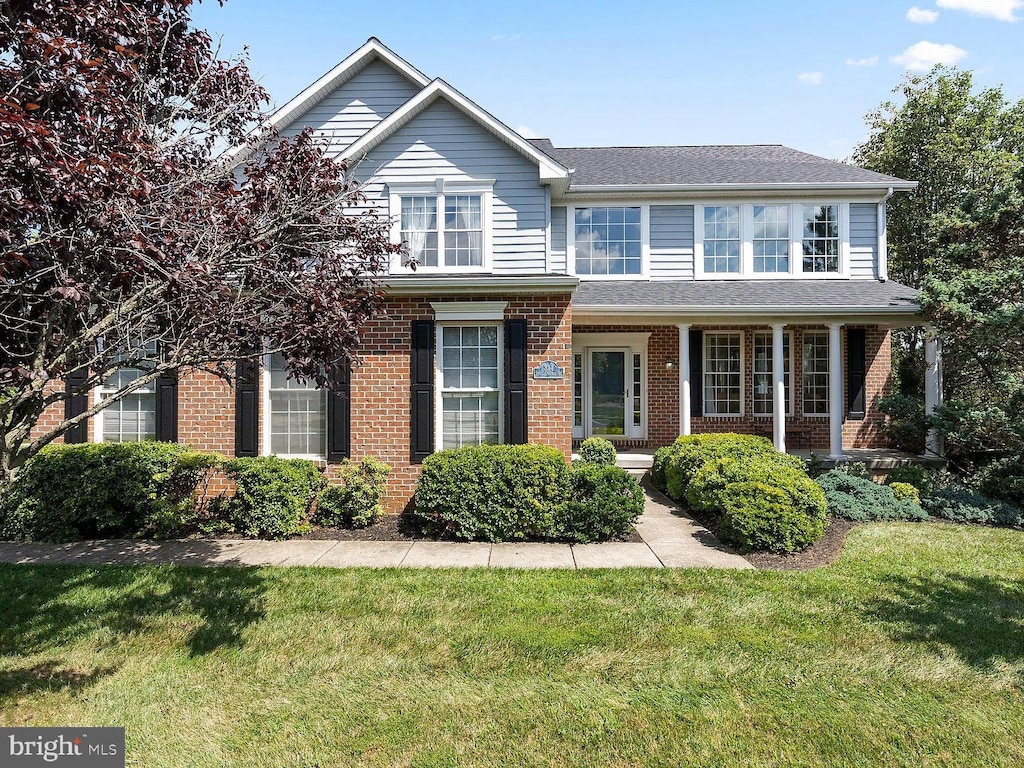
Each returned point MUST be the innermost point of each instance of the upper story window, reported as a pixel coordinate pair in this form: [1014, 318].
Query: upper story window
[821, 238]
[608, 241]
[444, 224]
[722, 238]
[464, 233]
[419, 228]
[298, 414]
[771, 238]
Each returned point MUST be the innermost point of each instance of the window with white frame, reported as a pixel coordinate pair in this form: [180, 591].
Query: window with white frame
[298, 414]
[723, 374]
[820, 238]
[443, 229]
[470, 385]
[771, 238]
[608, 241]
[419, 228]
[815, 373]
[764, 380]
[132, 419]
[577, 390]
[637, 379]
[463, 231]
[721, 239]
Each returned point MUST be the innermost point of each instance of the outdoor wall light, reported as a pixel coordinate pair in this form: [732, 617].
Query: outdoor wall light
[670, 364]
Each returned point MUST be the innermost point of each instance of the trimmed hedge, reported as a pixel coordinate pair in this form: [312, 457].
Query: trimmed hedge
[272, 495]
[855, 498]
[757, 516]
[355, 501]
[597, 450]
[905, 492]
[519, 492]
[690, 452]
[73, 492]
[963, 505]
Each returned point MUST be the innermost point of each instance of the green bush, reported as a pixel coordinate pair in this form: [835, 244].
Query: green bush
[658, 466]
[705, 491]
[597, 450]
[905, 425]
[761, 517]
[905, 492]
[963, 505]
[492, 492]
[69, 492]
[855, 498]
[691, 452]
[272, 495]
[355, 501]
[911, 474]
[1003, 479]
[604, 501]
[854, 469]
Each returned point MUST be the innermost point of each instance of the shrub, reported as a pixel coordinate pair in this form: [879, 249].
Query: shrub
[854, 469]
[355, 501]
[761, 517]
[1003, 479]
[905, 425]
[604, 501]
[705, 490]
[911, 474]
[597, 450]
[69, 492]
[658, 465]
[855, 498]
[691, 452]
[905, 492]
[492, 492]
[963, 505]
[272, 495]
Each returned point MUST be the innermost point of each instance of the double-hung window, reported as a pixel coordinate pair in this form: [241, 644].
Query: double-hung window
[821, 238]
[764, 380]
[444, 225]
[771, 238]
[471, 378]
[721, 239]
[298, 414]
[419, 228]
[723, 374]
[815, 369]
[608, 241]
[132, 419]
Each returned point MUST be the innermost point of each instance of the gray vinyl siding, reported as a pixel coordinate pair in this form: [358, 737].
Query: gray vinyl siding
[671, 241]
[863, 240]
[357, 105]
[442, 142]
[559, 233]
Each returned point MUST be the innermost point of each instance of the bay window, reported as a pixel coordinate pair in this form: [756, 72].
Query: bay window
[470, 390]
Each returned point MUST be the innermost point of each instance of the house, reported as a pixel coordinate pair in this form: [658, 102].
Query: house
[633, 293]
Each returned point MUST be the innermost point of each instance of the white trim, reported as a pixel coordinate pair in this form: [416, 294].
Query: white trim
[779, 413]
[740, 188]
[469, 311]
[835, 391]
[631, 344]
[266, 417]
[704, 372]
[883, 237]
[820, 312]
[411, 285]
[645, 239]
[684, 379]
[439, 389]
[791, 402]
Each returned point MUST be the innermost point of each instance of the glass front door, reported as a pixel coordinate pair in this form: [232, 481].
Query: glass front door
[609, 393]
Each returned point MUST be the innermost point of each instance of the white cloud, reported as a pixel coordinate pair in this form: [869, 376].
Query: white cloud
[996, 9]
[922, 15]
[925, 55]
[811, 78]
[505, 38]
[867, 61]
[527, 132]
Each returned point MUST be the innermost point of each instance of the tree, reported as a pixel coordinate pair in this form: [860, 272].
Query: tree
[126, 243]
[960, 238]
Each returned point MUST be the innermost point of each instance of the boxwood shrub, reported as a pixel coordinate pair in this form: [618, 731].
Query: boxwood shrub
[963, 505]
[72, 492]
[272, 496]
[855, 498]
[355, 500]
[757, 516]
[691, 452]
[597, 450]
[603, 502]
[911, 474]
[658, 466]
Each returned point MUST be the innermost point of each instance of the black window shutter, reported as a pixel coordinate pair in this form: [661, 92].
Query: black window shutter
[247, 408]
[515, 382]
[856, 371]
[167, 407]
[75, 403]
[339, 412]
[421, 371]
[696, 373]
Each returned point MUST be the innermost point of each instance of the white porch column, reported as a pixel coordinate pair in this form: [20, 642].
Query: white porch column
[932, 387]
[835, 391]
[779, 387]
[684, 378]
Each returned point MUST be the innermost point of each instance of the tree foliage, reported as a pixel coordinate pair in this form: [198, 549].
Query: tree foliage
[120, 227]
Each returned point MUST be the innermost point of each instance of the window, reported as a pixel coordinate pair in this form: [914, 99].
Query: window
[131, 419]
[821, 238]
[443, 230]
[463, 231]
[764, 382]
[723, 374]
[771, 238]
[419, 228]
[608, 241]
[298, 418]
[577, 390]
[815, 373]
[470, 380]
[637, 389]
[721, 238]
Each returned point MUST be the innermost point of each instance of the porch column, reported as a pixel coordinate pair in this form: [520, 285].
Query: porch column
[932, 387]
[684, 378]
[835, 391]
[779, 387]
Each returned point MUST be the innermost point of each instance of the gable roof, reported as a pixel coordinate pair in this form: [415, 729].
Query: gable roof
[701, 167]
[550, 168]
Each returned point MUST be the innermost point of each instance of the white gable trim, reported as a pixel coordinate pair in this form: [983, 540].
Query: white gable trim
[550, 170]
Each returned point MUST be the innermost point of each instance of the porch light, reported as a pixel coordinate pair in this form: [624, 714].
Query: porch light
[670, 364]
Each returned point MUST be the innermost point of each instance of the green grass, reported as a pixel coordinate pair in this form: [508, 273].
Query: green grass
[909, 651]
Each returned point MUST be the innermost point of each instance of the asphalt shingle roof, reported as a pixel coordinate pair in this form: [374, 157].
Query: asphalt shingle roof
[711, 165]
[746, 293]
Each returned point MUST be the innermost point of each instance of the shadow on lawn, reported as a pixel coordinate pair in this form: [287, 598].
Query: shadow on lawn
[980, 619]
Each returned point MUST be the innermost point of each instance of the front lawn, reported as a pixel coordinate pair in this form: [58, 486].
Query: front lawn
[908, 651]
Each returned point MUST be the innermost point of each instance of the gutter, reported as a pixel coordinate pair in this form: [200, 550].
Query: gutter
[478, 284]
[890, 187]
[726, 310]
[883, 237]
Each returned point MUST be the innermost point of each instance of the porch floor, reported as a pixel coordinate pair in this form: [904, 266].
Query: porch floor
[878, 459]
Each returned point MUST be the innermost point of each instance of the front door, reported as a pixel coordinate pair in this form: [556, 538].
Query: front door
[609, 392]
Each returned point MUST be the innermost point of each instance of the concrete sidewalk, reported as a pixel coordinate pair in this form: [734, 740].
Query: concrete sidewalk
[670, 540]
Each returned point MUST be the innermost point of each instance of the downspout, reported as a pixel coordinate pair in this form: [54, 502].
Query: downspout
[883, 256]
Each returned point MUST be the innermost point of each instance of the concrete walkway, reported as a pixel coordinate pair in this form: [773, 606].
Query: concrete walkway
[670, 540]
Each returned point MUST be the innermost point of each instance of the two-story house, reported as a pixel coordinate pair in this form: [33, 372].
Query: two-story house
[634, 293]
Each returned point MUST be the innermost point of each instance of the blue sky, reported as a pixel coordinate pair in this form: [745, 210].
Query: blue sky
[791, 72]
